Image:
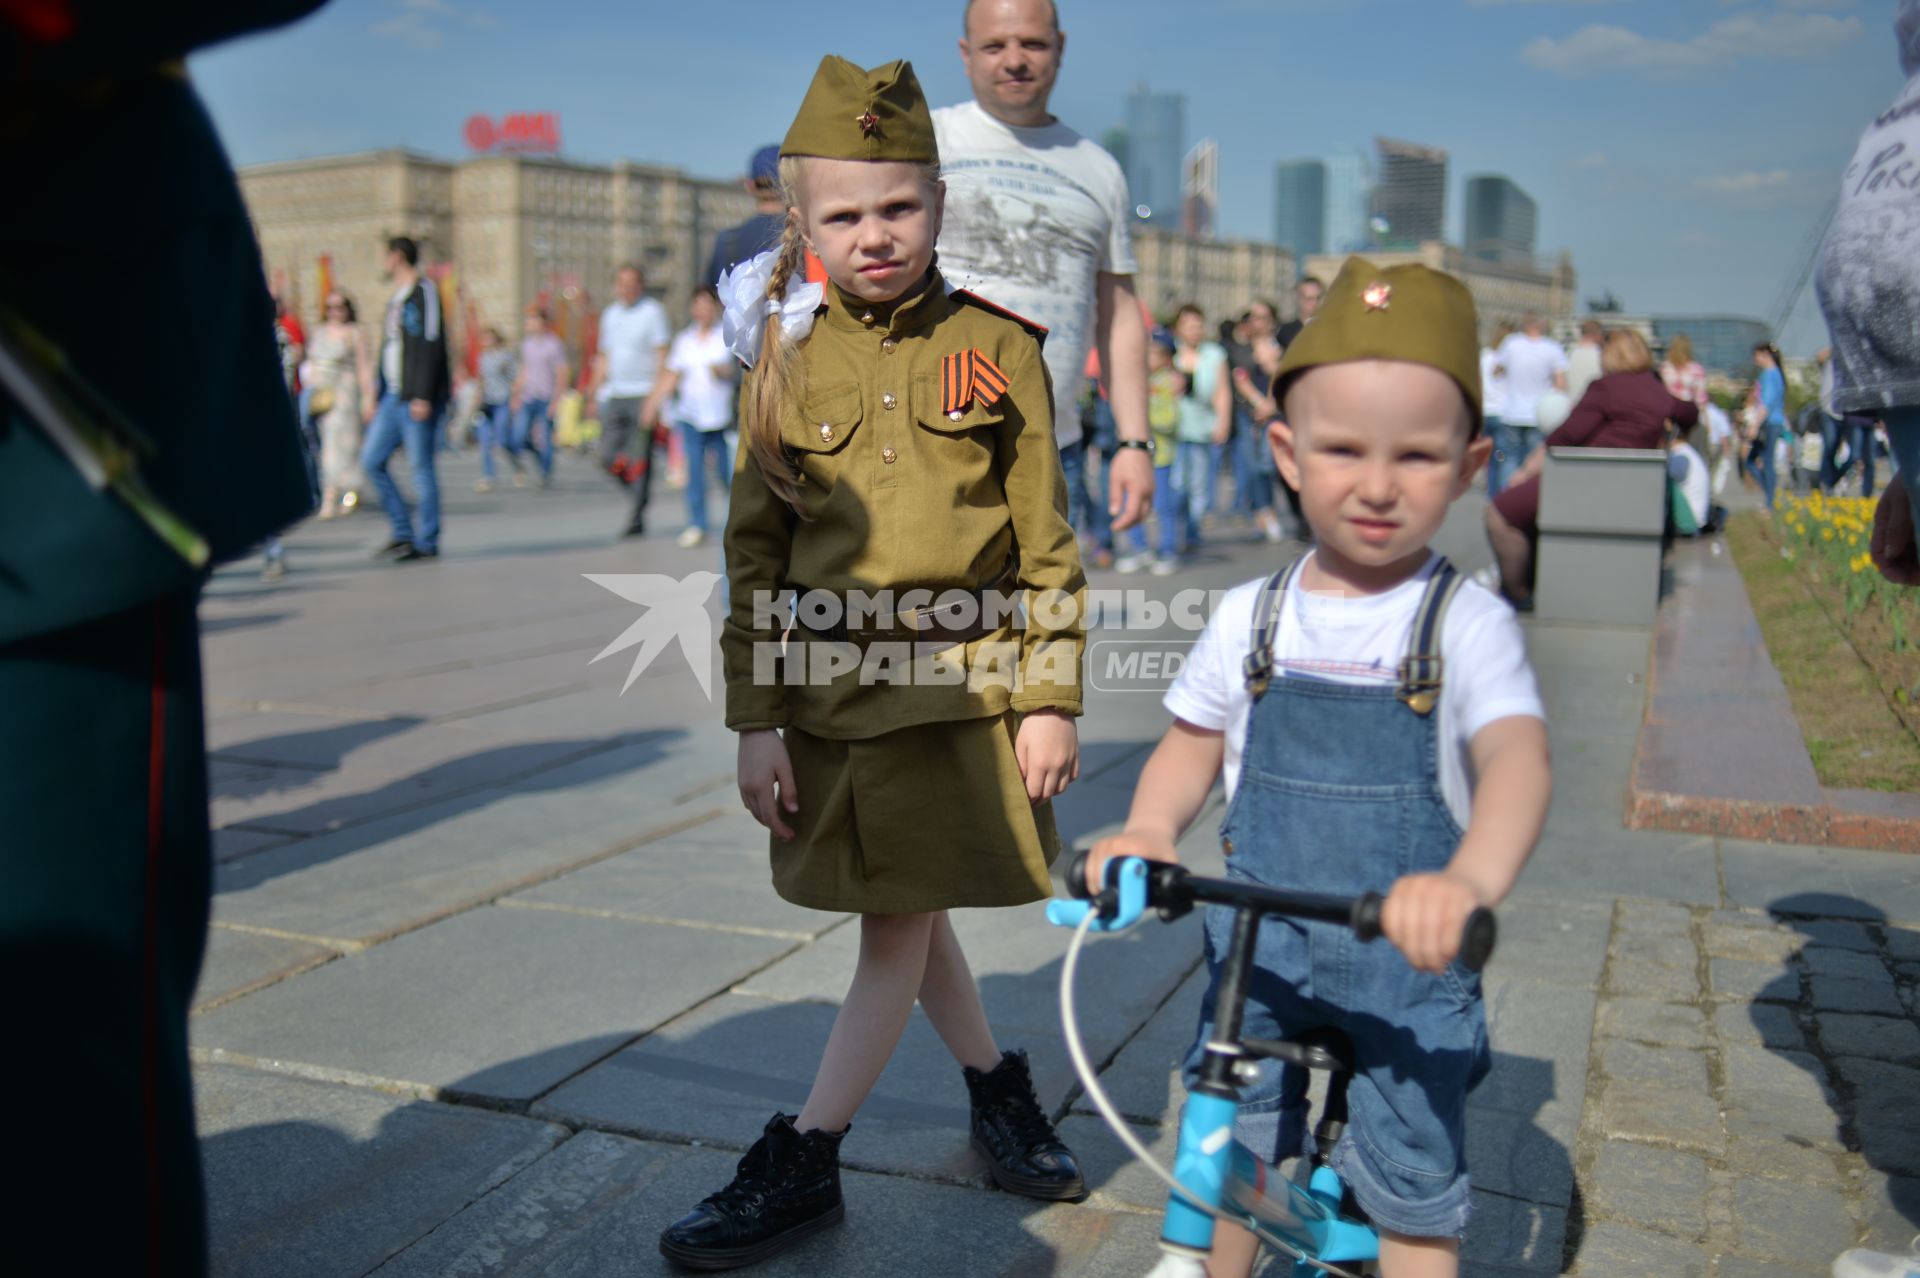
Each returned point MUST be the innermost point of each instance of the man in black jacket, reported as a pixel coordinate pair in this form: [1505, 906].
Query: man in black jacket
[415, 383]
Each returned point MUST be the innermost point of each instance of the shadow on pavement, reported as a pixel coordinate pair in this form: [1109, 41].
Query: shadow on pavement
[1860, 1047]
[407, 806]
[363, 1182]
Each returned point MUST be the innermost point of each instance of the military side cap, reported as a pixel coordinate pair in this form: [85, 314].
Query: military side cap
[850, 114]
[1411, 312]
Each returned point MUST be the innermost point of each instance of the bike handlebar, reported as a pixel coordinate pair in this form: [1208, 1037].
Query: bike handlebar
[1135, 885]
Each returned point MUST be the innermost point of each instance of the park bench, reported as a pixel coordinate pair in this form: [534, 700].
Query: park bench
[1602, 519]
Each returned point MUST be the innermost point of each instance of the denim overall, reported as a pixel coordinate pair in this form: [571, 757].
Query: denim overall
[1340, 792]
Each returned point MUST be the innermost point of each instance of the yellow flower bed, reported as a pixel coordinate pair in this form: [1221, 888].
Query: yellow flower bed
[1827, 538]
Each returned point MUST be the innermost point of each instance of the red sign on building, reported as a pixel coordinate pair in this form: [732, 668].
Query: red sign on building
[523, 132]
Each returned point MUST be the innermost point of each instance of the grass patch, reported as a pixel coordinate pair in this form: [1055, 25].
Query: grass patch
[1849, 709]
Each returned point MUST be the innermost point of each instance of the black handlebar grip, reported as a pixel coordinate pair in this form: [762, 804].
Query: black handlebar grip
[1477, 938]
[1365, 920]
[1077, 876]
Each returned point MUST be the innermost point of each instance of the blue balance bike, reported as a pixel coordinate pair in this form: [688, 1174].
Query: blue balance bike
[1214, 1177]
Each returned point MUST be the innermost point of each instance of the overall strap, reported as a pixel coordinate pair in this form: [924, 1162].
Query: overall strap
[1257, 669]
[1420, 671]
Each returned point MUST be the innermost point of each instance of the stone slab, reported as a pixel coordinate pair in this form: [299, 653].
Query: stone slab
[1904, 943]
[1582, 862]
[1881, 1038]
[1513, 1158]
[1825, 960]
[374, 880]
[1851, 884]
[1876, 997]
[1745, 981]
[1637, 978]
[502, 1003]
[1656, 1189]
[1656, 1024]
[1015, 956]
[596, 1205]
[1798, 1223]
[1518, 1236]
[1609, 1249]
[239, 962]
[290, 1164]
[1144, 1079]
[1890, 1212]
[1834, 933]
[1753, 937]
[666, 882]
[1753, 1070]
[1564, 943]
[1887, 1098]
[1772, 1024]
[715, 1074]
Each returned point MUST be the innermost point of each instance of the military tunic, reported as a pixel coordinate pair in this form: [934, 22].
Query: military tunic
[105, 859]
[903, 493]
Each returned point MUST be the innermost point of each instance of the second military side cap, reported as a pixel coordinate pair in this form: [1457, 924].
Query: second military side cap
[1409, 312]
[851, 114]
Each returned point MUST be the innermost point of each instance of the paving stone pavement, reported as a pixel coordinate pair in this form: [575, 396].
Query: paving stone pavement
[497, 986]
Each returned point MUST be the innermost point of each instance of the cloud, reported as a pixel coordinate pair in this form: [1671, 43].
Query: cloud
[421, 24]
[1596, 50]
[1488, 4]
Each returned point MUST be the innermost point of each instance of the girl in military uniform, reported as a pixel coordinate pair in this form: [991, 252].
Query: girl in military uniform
[897, 446]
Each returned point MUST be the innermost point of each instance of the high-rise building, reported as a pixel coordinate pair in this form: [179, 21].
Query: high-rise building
[1300, 207]
[1118, 145]
[1501, 220]
[1156, 145]
[1349, 200]
[1411, 194]
[1200, 190]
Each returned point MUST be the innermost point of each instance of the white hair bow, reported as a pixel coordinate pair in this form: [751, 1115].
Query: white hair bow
[743, 294]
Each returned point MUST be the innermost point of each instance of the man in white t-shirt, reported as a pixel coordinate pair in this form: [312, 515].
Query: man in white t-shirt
[634, 335]
[1036, 221]
[1583, 361]
[1533, 364]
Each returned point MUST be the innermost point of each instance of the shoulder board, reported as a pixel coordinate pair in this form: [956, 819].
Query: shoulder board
[968, 298]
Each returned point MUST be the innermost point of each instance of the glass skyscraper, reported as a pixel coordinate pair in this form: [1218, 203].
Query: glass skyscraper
[1349, 201]
[1300, 207]
[1502, 220]
[1156, 147]
[1411, 195]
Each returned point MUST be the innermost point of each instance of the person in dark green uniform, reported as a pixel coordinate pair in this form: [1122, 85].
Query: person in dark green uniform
[126, 467]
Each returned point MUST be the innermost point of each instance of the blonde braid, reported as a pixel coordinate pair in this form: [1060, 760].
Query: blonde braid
[776, 381]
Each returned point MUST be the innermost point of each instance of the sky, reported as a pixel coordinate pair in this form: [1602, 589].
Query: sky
[1684, 151]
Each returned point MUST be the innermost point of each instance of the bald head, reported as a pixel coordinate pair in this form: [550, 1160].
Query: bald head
[1012, 54]
[966, 17]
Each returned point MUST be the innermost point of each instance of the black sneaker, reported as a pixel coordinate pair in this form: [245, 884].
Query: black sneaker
[784, 1188]
[1013, 1133]
[392, 548]
[412, 553]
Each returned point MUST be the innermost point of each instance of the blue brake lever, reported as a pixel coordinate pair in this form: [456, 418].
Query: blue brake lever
[1128, 893]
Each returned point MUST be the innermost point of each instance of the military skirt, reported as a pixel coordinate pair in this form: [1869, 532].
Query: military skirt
[928, 817]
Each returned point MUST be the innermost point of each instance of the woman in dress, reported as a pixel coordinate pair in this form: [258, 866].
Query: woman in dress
[343, 383]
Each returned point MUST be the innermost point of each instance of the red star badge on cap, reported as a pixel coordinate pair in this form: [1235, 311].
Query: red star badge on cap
[1377, 296]
[869, 123]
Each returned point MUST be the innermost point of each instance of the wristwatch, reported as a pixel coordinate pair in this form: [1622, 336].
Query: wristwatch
[1145, 445]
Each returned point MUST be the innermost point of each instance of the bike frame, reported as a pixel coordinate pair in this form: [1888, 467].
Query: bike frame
[1209, 1160]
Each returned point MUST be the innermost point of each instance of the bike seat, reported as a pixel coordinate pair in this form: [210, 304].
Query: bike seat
[1323, 1049]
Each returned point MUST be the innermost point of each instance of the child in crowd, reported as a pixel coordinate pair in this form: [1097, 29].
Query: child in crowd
[896, 438]
[499, 366]
[1165, 387]
[1360, 756]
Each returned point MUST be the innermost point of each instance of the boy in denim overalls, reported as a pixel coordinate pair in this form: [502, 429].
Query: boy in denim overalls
[1380, 730]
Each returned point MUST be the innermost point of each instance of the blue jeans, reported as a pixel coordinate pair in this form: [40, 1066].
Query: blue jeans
[1217, 457]
[1500, 462]
[1252, 467]
[1767, 472]
[1340, 792]
[393, 428]
[1073, 465]
[1858, 437]
[1193, 468]
[1169, 508]
[520, 439]
[699, 445]
[494, 422]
